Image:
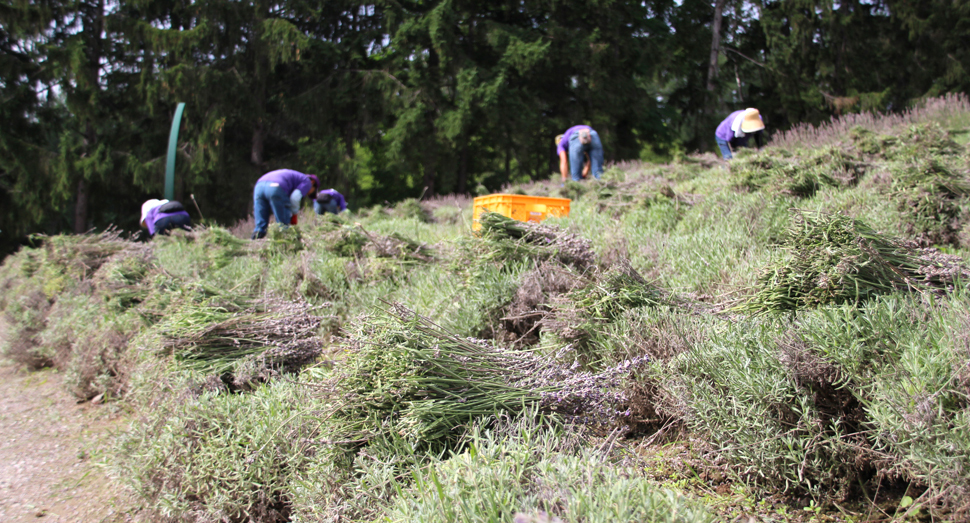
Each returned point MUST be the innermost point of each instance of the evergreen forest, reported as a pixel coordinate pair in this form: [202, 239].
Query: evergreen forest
[416, 98]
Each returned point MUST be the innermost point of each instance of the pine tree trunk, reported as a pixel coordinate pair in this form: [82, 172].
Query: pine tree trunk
[93, 26]
[508, 163]
[81, 208]
[463, 170]
[259, 139]
[429, 174]
[710, 105]
[715, 45]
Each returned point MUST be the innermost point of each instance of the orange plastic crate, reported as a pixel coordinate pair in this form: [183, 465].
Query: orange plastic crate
[520, 207]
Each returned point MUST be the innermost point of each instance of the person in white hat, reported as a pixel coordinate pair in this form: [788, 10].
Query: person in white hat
[161, 216]
[734, 131]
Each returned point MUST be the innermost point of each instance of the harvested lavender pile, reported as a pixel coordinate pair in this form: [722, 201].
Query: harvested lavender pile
[354, 240]
[406, 375]
[398, 246]
[621, 288]
[931, 193]
[514, 239]
[835, 259]
[215, 338]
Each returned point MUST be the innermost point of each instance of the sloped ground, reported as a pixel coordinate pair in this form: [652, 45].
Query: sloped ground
[785, 337]
[49, 449]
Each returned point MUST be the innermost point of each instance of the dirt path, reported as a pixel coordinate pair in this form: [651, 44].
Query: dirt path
[50, 453]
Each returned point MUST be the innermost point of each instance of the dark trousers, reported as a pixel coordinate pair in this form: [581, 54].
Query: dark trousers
[175, 221]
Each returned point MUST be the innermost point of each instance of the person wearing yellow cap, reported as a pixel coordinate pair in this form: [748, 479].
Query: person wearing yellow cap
[735, 130]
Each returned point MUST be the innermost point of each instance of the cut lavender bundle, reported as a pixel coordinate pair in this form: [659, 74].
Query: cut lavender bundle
[585, 308]
[535, 240]
[406, 375]
[833, 258]
[272, 335]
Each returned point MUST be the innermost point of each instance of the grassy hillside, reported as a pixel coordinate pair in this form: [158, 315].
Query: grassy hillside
[784, 336]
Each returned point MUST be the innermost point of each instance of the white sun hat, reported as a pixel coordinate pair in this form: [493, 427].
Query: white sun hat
[149, 205]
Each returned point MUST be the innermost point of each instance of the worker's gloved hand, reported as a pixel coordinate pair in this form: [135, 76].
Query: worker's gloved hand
[293, 220]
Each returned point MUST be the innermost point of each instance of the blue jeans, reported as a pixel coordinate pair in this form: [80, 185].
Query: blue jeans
[270, 196]
[725, 148]
[174, 221]
[332, 207]
[577, 158]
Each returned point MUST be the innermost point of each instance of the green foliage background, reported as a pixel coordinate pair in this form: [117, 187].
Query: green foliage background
[390, 100]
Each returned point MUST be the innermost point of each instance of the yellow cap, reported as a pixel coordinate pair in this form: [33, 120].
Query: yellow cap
[752, 121]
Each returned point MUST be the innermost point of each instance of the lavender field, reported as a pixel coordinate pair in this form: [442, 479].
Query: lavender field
[785, 337]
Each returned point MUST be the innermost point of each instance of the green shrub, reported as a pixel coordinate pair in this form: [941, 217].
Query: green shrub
[921, 141]
[919, 408]
[73, 316]
[284, 241]
[220, 457]
[604, 297]
[212, 338]
[411, 209]
[25, 311]
[573, 190]
[340, 485]
[527, 470]
[346, 241]
[405, 374]
[765, 171]
[449, 214]
[836, 167]
[837, 401]
[504, 239]
[773, 407]
[868, 142]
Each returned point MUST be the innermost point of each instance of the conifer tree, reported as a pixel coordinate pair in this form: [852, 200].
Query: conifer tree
[484, 86]
[831, 57]
[24, 157]
[938, 31]
[259, 79]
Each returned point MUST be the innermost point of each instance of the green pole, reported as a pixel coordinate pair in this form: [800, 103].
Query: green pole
[173, 138]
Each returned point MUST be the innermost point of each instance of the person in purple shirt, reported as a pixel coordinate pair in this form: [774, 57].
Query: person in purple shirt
[329, 200]
[161, 216]
[578, 142]
[280, 191]
[735, 130]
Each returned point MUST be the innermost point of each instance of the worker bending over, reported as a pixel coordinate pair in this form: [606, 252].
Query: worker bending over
[161, 216]
[735, 130]
[578, 142]
[280, 191]
[329, 200]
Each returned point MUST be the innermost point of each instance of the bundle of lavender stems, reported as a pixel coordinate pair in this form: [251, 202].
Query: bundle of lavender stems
[537, 240]
[211, 339]
[406, 374]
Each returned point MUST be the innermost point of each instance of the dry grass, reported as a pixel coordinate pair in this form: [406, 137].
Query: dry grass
[839, 128]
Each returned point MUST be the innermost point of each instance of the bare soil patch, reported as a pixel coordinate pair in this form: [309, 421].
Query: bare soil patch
[51, 453]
